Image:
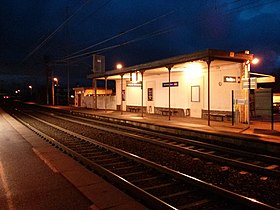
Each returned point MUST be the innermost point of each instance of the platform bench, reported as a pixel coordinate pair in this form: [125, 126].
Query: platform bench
[166, 112]
[215, 116]
[134, 109]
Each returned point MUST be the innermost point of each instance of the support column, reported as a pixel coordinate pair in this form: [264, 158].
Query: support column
[121, 94]
[94, 98]
[209, 104]
[68, 84]
[169, 91]
[48, 79]
[105, 105]
[52, 91]
[142, 96]
[249, 90]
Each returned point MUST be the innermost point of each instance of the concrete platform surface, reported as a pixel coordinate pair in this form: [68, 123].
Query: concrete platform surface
[35, 175]
[261, 130]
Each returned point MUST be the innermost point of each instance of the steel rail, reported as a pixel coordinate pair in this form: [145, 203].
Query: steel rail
[186, 149]
[184, 177]
[137, 192]
[179, 139]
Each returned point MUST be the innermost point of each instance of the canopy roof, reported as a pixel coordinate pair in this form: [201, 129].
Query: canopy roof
[206, 55]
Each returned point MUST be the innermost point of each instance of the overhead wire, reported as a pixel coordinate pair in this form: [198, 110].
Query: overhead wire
[55, 31]
[66, 21]
[150, 35]
[74, 55]
[157, 33]
[123, 33]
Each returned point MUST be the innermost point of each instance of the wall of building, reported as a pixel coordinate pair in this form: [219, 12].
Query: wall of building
[191, 92]
[87, 101]
[101, 100]
[221, 91]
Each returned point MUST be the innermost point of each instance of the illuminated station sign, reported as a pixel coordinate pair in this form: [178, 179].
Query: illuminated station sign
[230, 79]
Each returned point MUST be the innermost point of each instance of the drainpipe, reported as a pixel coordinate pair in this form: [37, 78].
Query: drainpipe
[121, 94]
[142, 87]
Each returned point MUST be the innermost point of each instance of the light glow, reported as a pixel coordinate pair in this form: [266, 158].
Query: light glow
[193, 70]
[255, 61]
[119, 66]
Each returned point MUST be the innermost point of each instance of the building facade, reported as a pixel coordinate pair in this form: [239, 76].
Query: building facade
[198, 85]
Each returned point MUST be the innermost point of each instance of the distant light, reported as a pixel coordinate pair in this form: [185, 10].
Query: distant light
[255, 61]
[119, 66]
[72, 96]
[30, 86]
[55, 79]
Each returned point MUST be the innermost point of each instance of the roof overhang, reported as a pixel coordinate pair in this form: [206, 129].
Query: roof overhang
[263, 78]
[206, 55]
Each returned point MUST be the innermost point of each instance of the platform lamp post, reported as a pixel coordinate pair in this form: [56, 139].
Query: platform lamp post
[119, 66]
[248, 70]
[54, 83]
[31, 89]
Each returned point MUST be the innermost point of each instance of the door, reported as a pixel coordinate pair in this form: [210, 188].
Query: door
[150, 98]
[79, 100]
[196, 97]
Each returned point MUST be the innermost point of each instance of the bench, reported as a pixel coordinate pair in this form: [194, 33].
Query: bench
[220, 116]
[166, 112]
[134, 109]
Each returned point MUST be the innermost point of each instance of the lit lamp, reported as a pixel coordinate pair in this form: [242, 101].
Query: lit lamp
[54, 83]
[254, 61]
[119, 66]
[55, 80]
[30, 87]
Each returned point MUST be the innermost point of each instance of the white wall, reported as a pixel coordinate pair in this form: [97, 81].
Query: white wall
[181, 95]
[221, 92]
[87, 101]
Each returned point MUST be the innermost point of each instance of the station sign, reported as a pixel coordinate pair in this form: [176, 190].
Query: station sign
[252, 84]
[172, 84]
[240, 101]
[150, 94]
[133, 84]
[230, 79]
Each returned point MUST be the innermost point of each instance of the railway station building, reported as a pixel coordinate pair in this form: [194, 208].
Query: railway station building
[203, 84]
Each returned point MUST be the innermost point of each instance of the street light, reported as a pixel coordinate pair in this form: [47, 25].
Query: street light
[55, 80]
[54, 83]
[30, 87]
[254, 61]
[119, 66]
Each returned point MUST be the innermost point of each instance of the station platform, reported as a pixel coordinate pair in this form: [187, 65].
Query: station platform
[35, 175]
[258, 129]
[258, 134]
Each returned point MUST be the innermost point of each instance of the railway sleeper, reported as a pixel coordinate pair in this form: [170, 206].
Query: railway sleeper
[157, 186]
[169, 196]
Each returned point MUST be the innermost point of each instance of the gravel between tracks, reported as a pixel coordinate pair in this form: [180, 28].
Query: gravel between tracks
[264, 189]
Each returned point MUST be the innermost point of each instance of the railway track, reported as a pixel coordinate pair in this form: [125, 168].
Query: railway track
[259, 163]
[151, 179]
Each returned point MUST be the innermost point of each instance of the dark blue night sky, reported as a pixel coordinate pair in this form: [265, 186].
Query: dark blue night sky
[137, 31]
